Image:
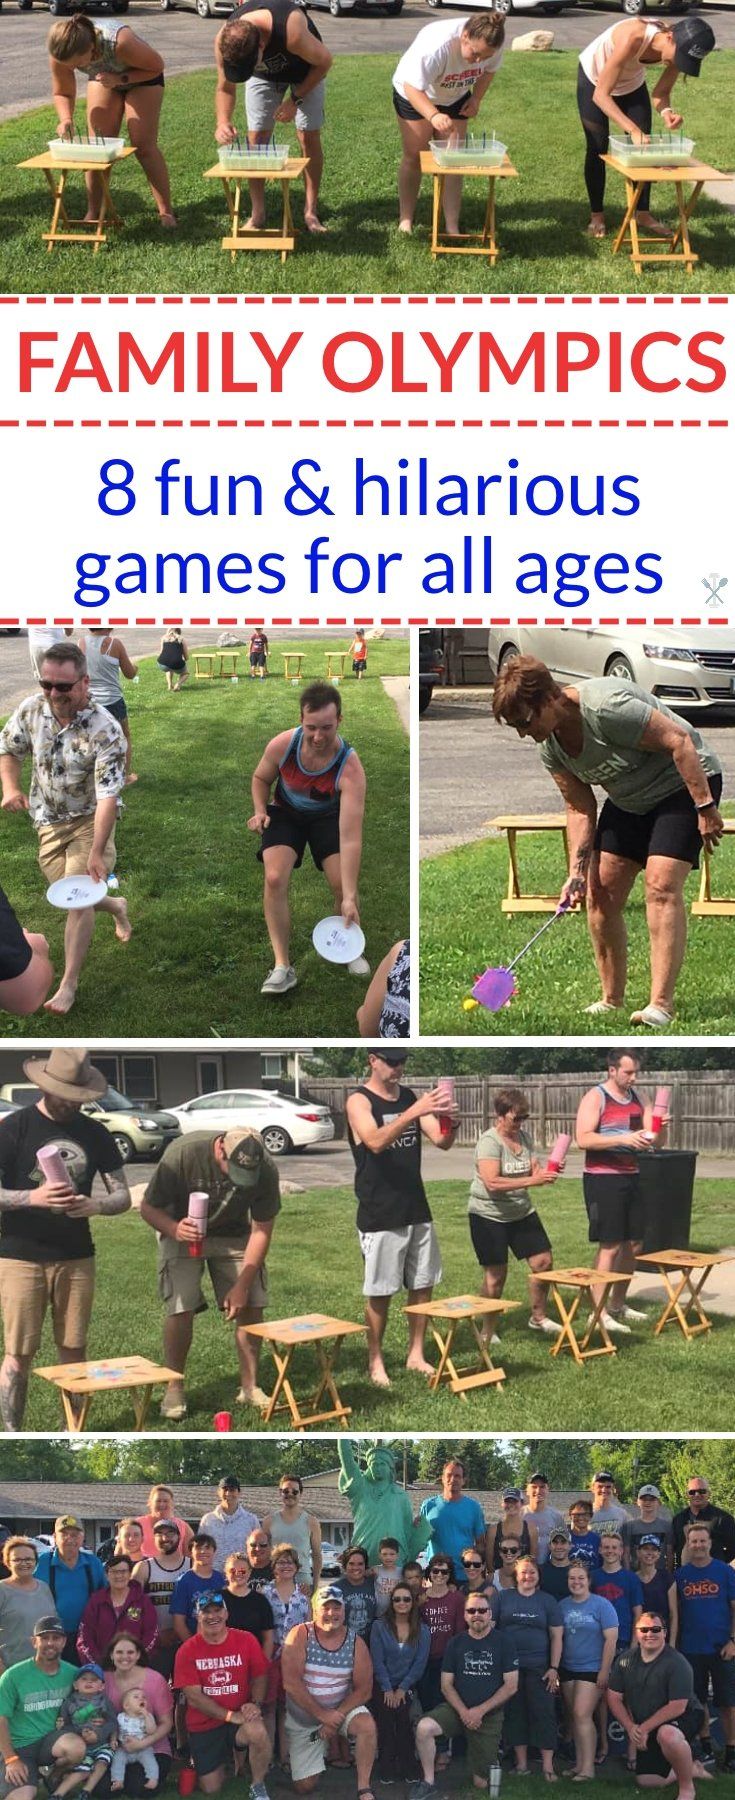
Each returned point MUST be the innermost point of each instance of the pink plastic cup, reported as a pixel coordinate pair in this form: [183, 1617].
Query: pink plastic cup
[446, 1083]
[51, 1161]
[198, 1211]
[559, 1153]
[222, 1421]
[660, 1109]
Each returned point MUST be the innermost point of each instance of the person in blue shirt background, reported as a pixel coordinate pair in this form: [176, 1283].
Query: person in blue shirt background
[73, 1575]
[585, 1544]
[706, 1590]
[201, 1578]
[618, 1585]
[457, 1521]
[588, 1649]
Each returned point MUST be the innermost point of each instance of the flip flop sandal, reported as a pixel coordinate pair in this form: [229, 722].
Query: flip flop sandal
[653, 1016]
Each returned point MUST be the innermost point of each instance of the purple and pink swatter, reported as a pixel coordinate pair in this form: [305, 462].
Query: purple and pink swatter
[496, 987]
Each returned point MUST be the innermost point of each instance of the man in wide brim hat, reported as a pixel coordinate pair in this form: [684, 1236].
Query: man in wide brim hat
[46, 1246]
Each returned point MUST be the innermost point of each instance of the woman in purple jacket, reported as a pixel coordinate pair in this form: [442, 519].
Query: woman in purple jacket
[123, 1606]
[399, 1647]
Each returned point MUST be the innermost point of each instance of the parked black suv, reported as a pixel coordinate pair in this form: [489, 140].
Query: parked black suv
[431, 664]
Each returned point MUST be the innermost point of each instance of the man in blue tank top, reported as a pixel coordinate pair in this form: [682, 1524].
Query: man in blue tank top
[319, 801]
[274, 49]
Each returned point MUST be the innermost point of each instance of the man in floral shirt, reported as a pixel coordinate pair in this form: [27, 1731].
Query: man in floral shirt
[78, 753]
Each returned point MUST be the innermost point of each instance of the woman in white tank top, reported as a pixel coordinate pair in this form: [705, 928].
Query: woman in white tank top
[125, 83]
[107, 660]
[612, 88]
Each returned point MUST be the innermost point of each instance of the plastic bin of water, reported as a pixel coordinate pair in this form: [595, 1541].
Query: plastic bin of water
[101, 150]
[673, 149]
[261, 157]
[472, 152]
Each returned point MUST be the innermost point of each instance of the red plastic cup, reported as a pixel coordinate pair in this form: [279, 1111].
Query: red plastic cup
[558, 1154]
[187, 1781]
[660, 1108]
[222, 1421]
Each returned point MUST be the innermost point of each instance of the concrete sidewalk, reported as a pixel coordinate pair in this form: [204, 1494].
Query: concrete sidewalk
[397, 688]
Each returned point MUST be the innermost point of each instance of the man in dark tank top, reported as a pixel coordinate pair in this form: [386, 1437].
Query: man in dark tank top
[385, 1124]
[276, 51]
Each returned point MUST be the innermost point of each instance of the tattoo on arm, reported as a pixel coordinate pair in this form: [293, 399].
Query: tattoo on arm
[12, 1197]
[116, 1198]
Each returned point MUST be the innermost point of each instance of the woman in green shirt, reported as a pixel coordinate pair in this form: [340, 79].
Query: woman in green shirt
[663, 786]
[502, 1215]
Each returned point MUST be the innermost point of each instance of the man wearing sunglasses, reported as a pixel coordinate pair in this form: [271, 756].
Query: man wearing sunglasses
[78, 774]
[700, 1509]
[479, 1674]
[385, 1125]
[651, 1694]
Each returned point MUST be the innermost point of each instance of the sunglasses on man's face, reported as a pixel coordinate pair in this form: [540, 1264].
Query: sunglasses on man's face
[290, 1493]
[697, 1493]
[58, 687]
[476, 1612]
[475, 1564]
[649, 1630]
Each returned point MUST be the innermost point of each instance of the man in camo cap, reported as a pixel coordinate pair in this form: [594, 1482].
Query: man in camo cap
[241, 1181]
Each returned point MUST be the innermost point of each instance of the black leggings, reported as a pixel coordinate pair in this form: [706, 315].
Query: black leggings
[596, 128]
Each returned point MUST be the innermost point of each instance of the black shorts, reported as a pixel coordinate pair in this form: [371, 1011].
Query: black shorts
[491, 1240]
[213, 1749]
[286, 826]
[670, 829]
[578, 1674]
[15, 950]
[652, 1761]
[118, 709]
[360, 664]
[257, 659]
[151, 81]
[614, 1208]
[405, 110]
[721, 1674]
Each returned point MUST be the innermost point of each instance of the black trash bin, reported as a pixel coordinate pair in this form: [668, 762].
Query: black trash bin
[667, 1186]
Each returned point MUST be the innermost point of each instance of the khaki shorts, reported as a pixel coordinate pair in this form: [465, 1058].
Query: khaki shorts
[180, 1276]
[306, 1747]
[64, 849]
[28, 1289]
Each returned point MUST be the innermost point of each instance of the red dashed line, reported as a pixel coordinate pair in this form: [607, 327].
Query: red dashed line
[364, 619]
[369, 424]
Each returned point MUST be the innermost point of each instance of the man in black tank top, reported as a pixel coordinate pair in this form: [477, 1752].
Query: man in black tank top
[273, 49]
[385, 1122]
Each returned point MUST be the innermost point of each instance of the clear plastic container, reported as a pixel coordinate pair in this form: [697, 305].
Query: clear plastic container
[258, 157]
[669, 147]
[101, 150]
[471, 152]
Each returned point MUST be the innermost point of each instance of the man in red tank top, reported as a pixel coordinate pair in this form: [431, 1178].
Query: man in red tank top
[614, 1129]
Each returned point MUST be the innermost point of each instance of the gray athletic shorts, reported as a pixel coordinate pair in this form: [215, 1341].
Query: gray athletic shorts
[406, 1258]
[263, 98]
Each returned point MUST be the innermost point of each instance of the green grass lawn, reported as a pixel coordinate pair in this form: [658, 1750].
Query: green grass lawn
[463, 931]
[541, 217]
[666, 1385]
[341, 1786]
[187, 865]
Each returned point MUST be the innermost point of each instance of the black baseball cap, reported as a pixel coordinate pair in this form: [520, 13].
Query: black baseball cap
[166, 1525]
[694, 38]
[395, 1057]
[230, 1484]
[604, 1475]
[539, 1476]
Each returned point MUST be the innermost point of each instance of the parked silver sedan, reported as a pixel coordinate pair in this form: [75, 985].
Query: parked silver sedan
[692, 669]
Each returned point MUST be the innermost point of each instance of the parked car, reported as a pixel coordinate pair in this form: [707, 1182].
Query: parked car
[205, 8]
[431, 665]
[284, 1123]
[336, 7]
[508, 6]
[690, 669]
[59, 7]
[139, 1131]
[331, 1564]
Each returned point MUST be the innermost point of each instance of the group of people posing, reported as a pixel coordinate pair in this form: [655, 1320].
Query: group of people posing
[228, 1640]
[47, 1251]
[308, 789]
[277, 54]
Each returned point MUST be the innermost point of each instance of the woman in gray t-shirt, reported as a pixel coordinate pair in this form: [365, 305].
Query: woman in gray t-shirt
[502, 1214]
[663, 785]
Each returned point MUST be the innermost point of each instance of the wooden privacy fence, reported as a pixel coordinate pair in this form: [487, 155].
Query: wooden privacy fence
[702, 1105]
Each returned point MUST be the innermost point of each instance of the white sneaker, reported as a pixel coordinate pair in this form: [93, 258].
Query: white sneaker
[613, 1323]
[359, 966]
[544, 1324]
[280, 980]
[632, 1314]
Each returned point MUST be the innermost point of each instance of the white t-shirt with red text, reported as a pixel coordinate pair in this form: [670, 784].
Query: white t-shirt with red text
[434, 65]
[225, 1672]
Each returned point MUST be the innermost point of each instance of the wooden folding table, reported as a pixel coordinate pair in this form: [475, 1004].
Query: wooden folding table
[676, 174]
[334, 656]
[283, 1337]
[465, 243]
[289, 657]
[214, 665]
[278, 237]
[65, 230]
[583, 1280]
[444, 1318]
[79, 1382]
[518, 899]
[684, 1273]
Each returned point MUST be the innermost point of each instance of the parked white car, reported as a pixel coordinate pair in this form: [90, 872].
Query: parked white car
[284, 1123]
[691, 669]
[507, 6]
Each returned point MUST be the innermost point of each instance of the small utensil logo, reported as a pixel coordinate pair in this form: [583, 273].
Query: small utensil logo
[714, 585]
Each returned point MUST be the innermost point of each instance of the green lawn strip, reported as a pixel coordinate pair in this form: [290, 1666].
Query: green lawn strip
[187, 865]
[341, 1786]
[541, 217]
[666, 1385]
[463, 931]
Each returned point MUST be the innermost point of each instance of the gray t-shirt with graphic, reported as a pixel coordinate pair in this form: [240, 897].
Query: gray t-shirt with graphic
[515, 1203]
[614, 718]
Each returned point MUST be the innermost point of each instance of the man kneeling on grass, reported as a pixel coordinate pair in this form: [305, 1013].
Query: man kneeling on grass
[651, 1694]
[479, 1673]
[328, 1680]
[224, 1675]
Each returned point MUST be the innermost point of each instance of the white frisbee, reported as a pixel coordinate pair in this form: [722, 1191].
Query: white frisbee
[336, 942]
[75, 891]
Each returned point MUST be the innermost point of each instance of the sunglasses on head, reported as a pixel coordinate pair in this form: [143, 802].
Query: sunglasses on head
[58, 687]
